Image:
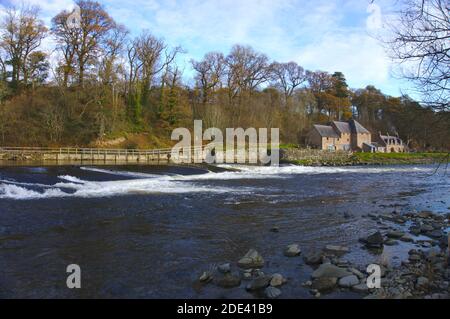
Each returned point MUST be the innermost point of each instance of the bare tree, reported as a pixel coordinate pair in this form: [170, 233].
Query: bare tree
[22, 33]
[247, 70]
[81, 45]
[287, 77]
[210, 73]
[421, 43]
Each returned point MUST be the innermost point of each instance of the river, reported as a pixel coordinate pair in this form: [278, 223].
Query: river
[149, 232]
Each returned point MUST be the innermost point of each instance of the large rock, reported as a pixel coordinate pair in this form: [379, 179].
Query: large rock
[336, 250]
[375, 240]
[229, 281]
[395, 234]
[292, 250]
[252, 259]
[330, 271]
[313, 258]
[361, 288]
[324, 284]
[348, 281]
[259, 283]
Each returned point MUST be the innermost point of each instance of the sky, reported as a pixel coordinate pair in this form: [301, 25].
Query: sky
[327, 35]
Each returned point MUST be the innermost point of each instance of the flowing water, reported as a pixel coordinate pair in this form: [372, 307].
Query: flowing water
[149, 232]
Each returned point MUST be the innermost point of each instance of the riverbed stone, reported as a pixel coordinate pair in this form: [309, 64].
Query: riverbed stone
[426, 228]
[224, 268]
[396, 234]
[272, 292]
[375, 240]
[425, 214]
[292, 250]
[407, 239]
[229, 281]
[422, 282]
[324, 284]
[329, 270]
[357, 273]
[205, 277]
[259, 283]
[252, 259]
[313, 258]
[391, 242]
[360, 288]
[336, 250]
[348, 281]
[277, 280]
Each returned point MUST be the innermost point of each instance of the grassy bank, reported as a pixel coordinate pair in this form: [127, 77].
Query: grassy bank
[400, 158]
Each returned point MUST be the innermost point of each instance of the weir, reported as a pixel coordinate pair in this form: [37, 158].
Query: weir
[102, 156]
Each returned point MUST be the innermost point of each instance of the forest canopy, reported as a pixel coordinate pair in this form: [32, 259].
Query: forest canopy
[106, 85]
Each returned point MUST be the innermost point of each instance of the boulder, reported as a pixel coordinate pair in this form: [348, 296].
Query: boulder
[329, 270]
[229, 281]
[292, 250]
[314, 258]
[375, 240]
[252, 259]
[324, 284]
[259, 283]
[348, 281]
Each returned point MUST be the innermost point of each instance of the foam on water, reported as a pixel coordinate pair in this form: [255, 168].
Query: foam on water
[118, 173]
[172, 184]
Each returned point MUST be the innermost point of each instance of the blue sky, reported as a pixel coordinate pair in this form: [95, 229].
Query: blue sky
[319, 35]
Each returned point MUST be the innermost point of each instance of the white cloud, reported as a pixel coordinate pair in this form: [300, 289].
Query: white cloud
[320, 34]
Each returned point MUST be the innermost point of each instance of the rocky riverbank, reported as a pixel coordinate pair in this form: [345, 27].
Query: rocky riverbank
[324, 158]
[424, 274]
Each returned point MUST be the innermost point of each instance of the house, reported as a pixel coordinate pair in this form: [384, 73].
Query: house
[352, 136]
[392, 144]
[340, 136]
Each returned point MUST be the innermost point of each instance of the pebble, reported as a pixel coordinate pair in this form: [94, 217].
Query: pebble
[252, 259]
[224, 268]
[292, 250]
[205, 277]
[277, 280]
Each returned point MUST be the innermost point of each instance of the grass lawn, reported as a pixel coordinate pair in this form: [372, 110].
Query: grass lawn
[400, 157]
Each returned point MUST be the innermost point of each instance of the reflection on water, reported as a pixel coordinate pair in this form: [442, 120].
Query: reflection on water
[148, 232]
